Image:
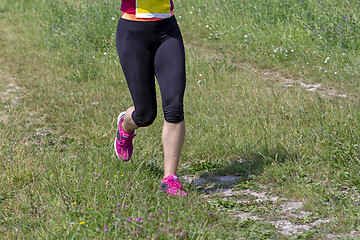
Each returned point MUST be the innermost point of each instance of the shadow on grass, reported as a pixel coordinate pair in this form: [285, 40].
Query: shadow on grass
[216, 176]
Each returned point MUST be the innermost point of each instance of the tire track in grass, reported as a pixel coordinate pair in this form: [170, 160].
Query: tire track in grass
[286, 81]
[289, 82]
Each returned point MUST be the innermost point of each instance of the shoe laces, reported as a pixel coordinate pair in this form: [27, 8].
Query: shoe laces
[126, 139]
[174, 185]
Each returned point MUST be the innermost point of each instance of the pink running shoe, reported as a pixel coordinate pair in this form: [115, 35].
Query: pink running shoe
[123, 141]
[172, 186]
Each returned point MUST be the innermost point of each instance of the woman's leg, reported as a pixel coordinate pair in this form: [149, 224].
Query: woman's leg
[128, 124]
[170, 72]
[134, 41]
[173, 136]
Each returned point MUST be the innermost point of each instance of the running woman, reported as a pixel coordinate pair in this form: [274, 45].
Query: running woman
[149, 44]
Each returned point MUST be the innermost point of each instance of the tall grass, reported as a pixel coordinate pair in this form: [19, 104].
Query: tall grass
[60, 178]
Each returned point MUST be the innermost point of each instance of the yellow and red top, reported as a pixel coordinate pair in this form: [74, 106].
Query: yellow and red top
[146, 10]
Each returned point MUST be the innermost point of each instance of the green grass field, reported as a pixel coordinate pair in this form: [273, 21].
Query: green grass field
[272, 97]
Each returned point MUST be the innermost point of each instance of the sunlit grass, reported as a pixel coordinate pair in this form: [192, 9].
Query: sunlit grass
[59, 175]
[294, 37]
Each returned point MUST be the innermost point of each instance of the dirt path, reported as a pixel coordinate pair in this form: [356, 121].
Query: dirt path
[287, 216]
[10, 92]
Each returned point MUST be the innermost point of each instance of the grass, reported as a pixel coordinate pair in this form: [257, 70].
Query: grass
[294, 37]
[59, 175]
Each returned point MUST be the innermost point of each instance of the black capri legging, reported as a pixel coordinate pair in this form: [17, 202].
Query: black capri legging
[147, 49]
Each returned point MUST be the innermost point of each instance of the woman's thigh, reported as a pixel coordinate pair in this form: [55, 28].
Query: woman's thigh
[134, 43]
[170, 73]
